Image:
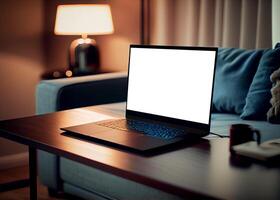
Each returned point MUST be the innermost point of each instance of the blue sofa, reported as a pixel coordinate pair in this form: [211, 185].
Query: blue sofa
[61, 174]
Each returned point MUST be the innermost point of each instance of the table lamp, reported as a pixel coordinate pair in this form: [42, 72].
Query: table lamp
[84, 20]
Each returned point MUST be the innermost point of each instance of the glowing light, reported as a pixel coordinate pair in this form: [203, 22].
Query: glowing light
[56, 74]
[83, 19]
[69, 73]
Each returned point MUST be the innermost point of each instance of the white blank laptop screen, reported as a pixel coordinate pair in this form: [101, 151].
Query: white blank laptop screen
[175, 83]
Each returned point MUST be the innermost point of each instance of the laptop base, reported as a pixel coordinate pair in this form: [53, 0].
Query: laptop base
[130, 140]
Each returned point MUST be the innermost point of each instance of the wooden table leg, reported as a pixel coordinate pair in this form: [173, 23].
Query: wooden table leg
[33, 173]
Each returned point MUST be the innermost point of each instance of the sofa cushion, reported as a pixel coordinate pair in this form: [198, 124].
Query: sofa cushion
[257, 100]
[234, 73]
[84, 194]
[107, 185]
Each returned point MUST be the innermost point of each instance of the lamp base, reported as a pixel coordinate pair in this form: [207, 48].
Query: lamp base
[84, 56]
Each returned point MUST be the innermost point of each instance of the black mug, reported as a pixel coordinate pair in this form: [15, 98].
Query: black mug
[241, 133]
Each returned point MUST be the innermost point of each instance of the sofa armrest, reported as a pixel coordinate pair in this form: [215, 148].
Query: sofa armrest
[67, 93]
[60, 94]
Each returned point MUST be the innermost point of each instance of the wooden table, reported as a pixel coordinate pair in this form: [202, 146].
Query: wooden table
[204, 169]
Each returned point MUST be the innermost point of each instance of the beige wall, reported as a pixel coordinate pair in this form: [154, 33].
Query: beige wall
[21, 61]
[113, 48]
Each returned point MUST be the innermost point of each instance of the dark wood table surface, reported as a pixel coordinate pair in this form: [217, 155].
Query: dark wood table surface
[202, 169]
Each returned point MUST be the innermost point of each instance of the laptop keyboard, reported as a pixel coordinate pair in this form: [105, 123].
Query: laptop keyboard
[154, 130]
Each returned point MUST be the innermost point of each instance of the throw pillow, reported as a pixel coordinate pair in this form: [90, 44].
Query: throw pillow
[257, 100]
[234, 73]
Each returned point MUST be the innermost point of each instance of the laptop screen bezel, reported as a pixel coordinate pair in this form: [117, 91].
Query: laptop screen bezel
[169, 120]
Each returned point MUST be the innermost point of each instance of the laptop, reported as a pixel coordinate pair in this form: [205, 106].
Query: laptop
[169, 99]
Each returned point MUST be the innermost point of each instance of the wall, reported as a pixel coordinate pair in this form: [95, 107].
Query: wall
[113, 48]
[28, 47]
[21, 62]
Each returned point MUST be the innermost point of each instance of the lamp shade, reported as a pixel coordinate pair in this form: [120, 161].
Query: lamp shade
[89, 19]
